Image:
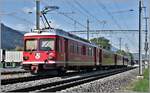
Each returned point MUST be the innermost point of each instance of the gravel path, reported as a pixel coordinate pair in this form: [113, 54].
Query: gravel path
[106, 85]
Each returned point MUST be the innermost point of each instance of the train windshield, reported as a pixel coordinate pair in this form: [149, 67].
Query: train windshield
[46, 44]
[31, 45]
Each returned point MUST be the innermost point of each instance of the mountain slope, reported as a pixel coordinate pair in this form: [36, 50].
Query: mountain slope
[10, 38]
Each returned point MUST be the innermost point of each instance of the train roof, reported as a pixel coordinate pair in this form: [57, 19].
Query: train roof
[59, 32]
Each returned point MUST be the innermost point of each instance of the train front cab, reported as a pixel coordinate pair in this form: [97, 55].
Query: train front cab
[39, 53]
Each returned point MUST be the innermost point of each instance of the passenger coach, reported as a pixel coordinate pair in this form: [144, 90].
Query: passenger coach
[58, 50]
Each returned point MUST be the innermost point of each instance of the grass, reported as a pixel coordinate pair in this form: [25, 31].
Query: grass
[142, 85]
[1, 65]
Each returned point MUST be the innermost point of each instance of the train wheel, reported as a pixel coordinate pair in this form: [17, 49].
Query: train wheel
[61, 71]
[34, 69]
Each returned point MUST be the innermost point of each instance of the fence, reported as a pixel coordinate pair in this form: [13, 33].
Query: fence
[11, 58]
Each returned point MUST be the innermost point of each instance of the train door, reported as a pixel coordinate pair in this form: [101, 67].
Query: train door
[123, 60]
[95, 55]
[100, 57]
[115, 58]
[66, 52]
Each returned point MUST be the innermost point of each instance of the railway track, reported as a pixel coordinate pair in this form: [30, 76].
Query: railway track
[22, 79]
[31, 78]
[63, 84]
[13, 72]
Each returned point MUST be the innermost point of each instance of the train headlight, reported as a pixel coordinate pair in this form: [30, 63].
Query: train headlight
[51, 56]
[25, 58]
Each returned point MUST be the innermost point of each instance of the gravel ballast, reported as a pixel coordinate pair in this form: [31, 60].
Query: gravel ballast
[21, 85]
[106, 85]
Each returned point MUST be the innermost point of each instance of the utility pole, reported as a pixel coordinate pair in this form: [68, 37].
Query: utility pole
[88, 29]
[126, 47]
[128, 53]
[140, 56]
[149, 49]
[37, 14]
[120, 43]
[75, 25]
[146, 41]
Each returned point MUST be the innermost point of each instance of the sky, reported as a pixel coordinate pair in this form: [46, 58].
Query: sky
[102, 14]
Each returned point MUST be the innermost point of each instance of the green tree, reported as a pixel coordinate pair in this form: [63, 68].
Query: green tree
[102, 42]
[121, 52]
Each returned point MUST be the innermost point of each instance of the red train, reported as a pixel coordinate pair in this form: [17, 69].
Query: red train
[59, 50]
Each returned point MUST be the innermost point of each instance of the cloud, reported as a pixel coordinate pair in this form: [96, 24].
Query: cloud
[20, 27]
[111, 1]
[120, 0]
[23, 27]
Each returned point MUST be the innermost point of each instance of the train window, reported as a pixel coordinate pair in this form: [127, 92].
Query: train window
[79, 50]
[31, 45]
[90, 51]
[87, 51]
[71, 48]
[75, 48]
[46, 44]
[59, 45]
[83, 50]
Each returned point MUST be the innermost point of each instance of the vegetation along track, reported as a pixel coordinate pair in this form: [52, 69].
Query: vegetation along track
[63, 84]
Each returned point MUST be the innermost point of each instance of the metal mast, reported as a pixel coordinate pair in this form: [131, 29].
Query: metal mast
[146, 41]
[140, 56]
[87, 29]
[37, 14]
[120, 43]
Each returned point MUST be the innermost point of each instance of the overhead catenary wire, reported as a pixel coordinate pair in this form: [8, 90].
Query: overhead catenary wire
[64, 14]
[73, 20]
[21, 19]
[109, 13]
[47, 4]
[69, 23]
[68, 17]
[72, 5]
[86, 11]
[117, 7]
[124, 21]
